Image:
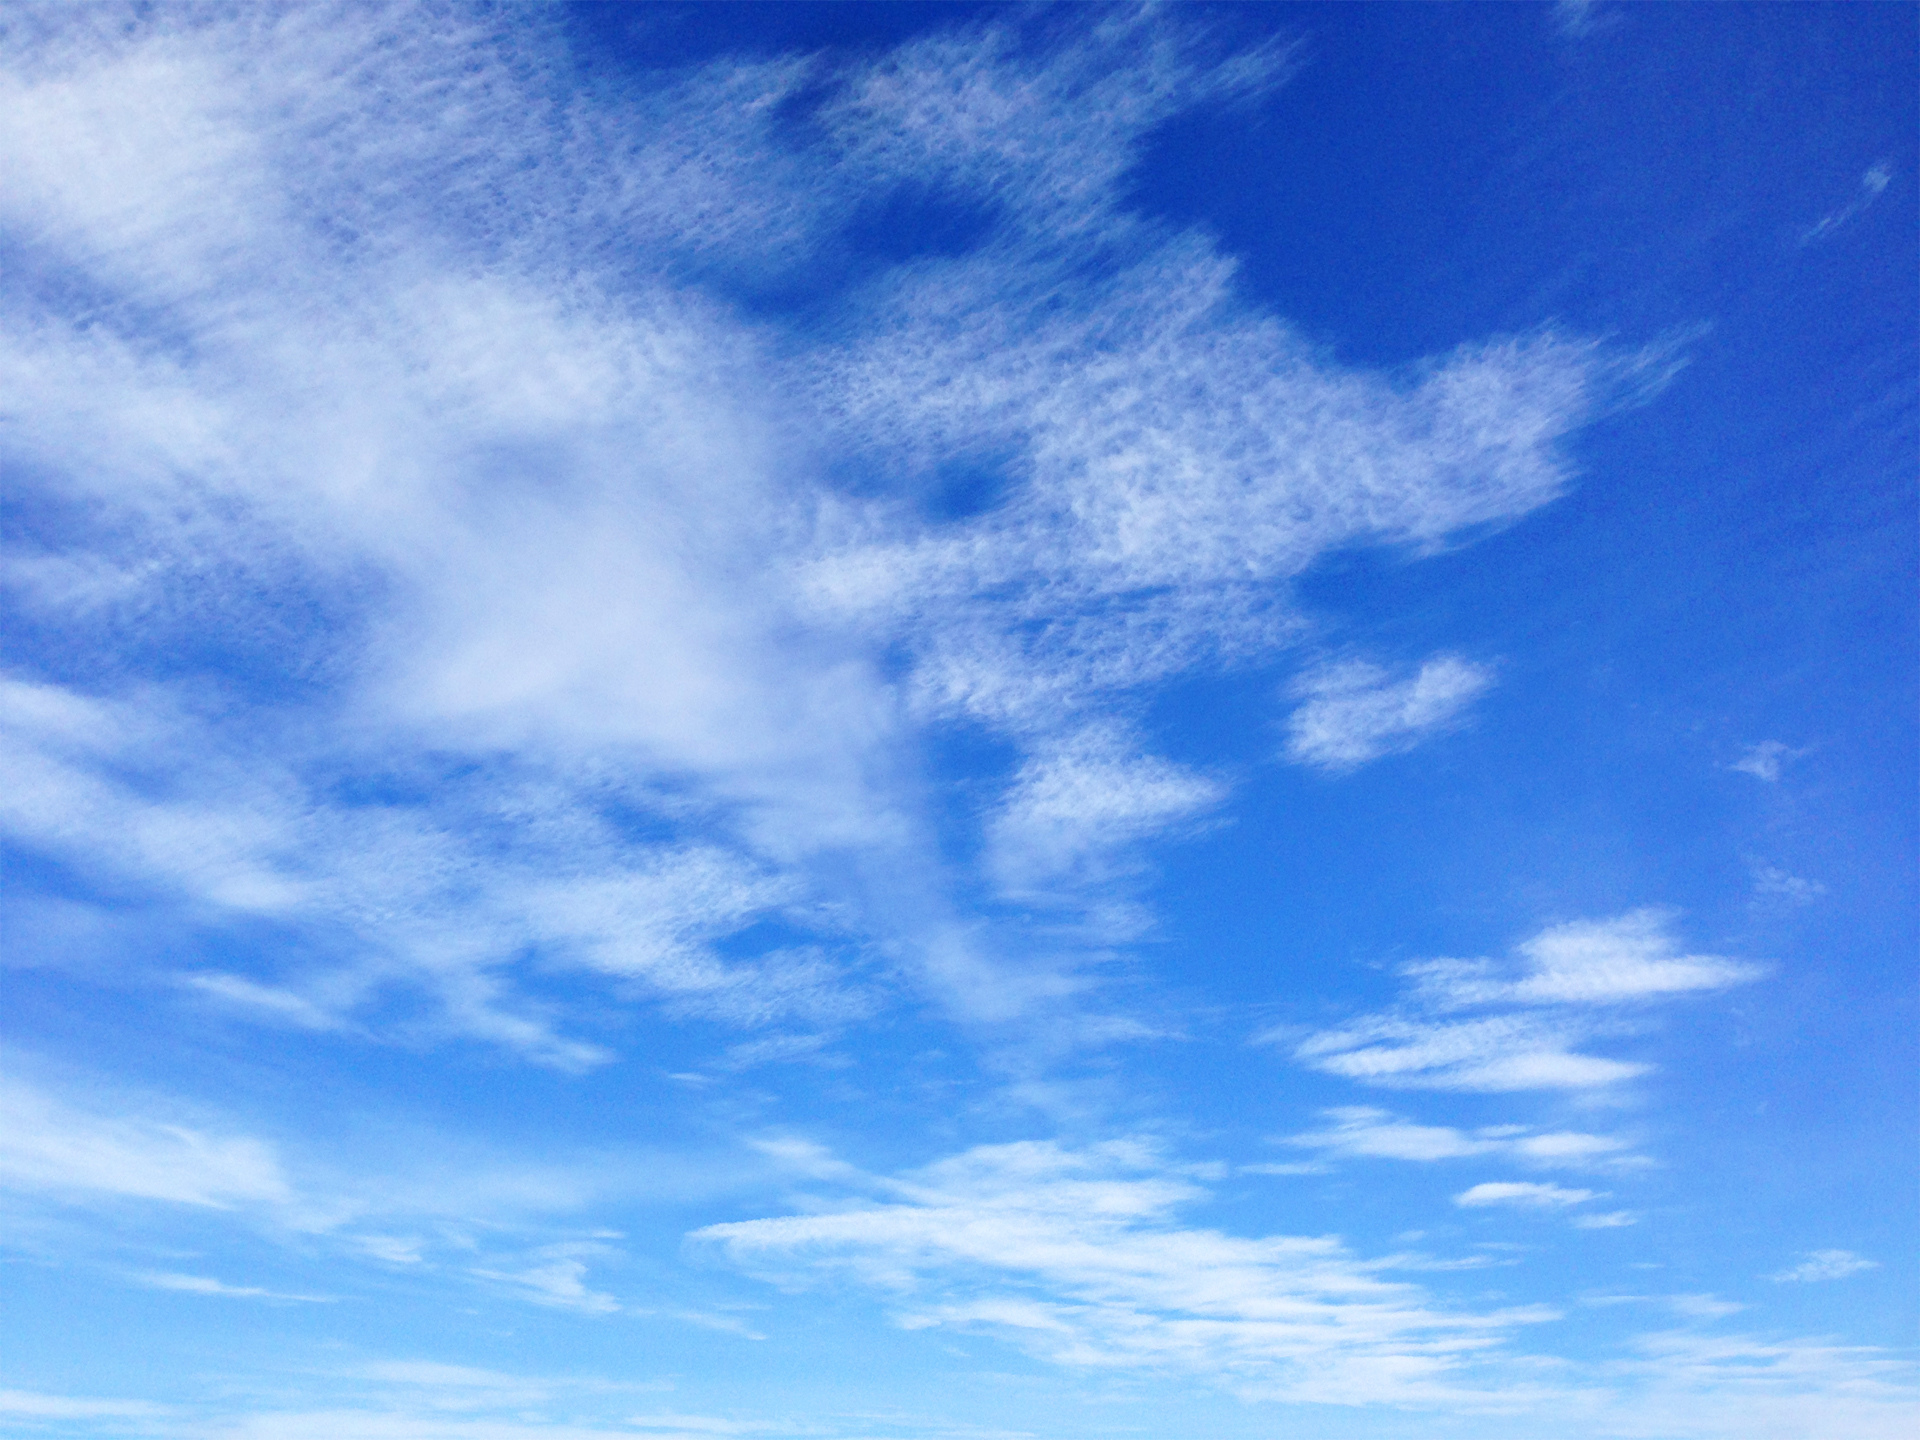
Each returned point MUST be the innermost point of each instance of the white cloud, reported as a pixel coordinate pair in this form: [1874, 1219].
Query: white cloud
[1069, 808]
[392, 324]
[1361, 1132]
[48, 1145]
[32, 1406]
[1826, 1265]
[1610, 1220]
[206, 1285]
[1628, 959]
[1354, 711]
[1695, 1383]
[557, 1278]
[1763, 761]
[1506, 1052]
[1540, 1008]
[1077, 1255]
[1522, 1194]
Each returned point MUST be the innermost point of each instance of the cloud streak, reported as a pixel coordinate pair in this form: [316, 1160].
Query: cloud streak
[1354, 712]
[1491, 1026]
[1077, 1255]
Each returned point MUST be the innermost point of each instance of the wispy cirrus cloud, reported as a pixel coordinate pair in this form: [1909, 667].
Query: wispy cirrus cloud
[1363, 1132]
[207, 1285]
[490, 467]
[48, 1144]
[1522, 1195]
[1534, 1010]
[1079, 1256]
[1355, 711]
[1818, 1265]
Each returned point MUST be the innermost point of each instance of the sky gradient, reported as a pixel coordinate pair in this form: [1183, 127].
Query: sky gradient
[889, 722]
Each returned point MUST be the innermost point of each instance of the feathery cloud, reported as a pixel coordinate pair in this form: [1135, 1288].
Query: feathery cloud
[1078, 1256]
[1536, 1010]
[1354, 712]
[1819, 1265]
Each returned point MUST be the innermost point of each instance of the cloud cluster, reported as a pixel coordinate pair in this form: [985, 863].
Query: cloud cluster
[1077, 1255]
[47, 1144]
[1355, 712]
[1826, 1265]
[394, 408]
[1491, 1026]
[1524, 1194]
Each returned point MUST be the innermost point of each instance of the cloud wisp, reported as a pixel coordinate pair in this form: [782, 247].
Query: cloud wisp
[1522, 1195]
[1361, 1132]
[1873, 184]
[1490, 1026]
[1817, 1265]
[1079, 1256]
[1355, 711]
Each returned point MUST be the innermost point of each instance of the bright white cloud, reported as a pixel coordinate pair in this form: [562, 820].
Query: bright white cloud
[557, 1277]
[1627, 959]
[1354, 712]
[1068, 809]
[207, 1285]
[50, 1146]
[1609, 1220]
[1522, 1195]
[1538, 1008]
[1826, 1265]
[1078, 1256]
[1687, 1382]
[1505, 1052]
[1361, 1132]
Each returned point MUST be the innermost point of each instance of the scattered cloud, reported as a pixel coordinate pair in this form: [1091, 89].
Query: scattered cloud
[1872, 185]
[1764, 760]
[1355, 711]
[1586, 962]
[205, 1285]
[1078, 1255]
[50, 1146]
[1536, 1009]
[1770, 882]
[1819, 1265]
[1522, 1195]
[1714, 1384]
[1067, 810]
[631, 616]
[1361, 1132]
[1610, 1220]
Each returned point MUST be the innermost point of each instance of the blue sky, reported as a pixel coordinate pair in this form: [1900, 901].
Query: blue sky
[917, 721]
